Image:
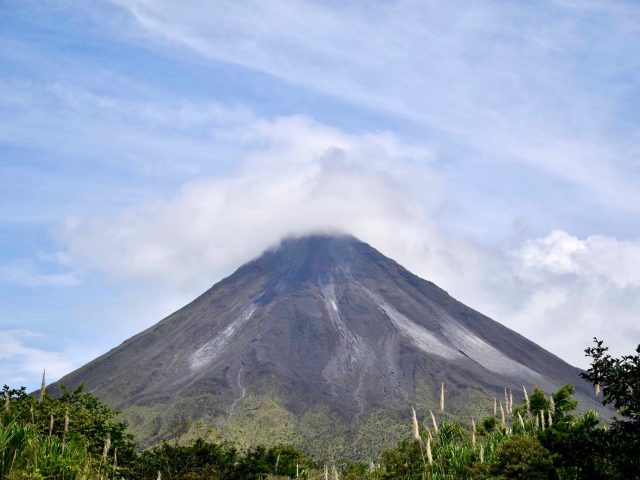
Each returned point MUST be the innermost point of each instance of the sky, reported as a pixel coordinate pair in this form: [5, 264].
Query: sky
[148, 148]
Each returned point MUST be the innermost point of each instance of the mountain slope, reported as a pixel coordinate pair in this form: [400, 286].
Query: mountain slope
[321, 339]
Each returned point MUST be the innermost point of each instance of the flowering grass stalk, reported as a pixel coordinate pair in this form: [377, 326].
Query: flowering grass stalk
[473, 433]
[526, 400]
[520, 420]
[435, 424]
[414, 421]
[43, 387]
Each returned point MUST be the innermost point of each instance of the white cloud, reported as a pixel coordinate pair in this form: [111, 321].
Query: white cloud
[597, 257]
[573, 289]
[299, 176]
[24, 364]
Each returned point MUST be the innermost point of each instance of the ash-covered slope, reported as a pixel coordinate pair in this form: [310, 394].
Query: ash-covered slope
[321, 333]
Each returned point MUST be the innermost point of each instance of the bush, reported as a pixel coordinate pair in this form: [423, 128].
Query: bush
[620, 382]
[523, 457]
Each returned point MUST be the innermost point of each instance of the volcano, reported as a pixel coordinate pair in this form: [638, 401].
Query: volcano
[322, 342]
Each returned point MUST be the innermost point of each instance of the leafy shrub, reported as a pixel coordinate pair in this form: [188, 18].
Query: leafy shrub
[523, 458]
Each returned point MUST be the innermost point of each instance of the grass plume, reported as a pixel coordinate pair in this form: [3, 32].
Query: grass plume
[414, 421]
[506, 399]
[106, 447]
[473, 433]
[526, 400]
[520, 420]
[433, 420]
[43, 386]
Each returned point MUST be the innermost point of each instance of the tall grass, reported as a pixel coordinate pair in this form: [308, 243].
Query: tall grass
[24, 453]
[455, 451]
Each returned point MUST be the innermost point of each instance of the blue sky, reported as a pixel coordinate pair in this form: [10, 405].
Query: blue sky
[148, 148]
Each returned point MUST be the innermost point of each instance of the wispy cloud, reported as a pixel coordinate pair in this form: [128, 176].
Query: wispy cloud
[26, 274]
[23, 363]
[148, 136]
[511, 82]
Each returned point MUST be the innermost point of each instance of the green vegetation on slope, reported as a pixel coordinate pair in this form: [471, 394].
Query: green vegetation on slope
[77, 437]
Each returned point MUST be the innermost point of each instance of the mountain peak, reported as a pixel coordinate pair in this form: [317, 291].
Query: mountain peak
[298, 259]
[320, 244]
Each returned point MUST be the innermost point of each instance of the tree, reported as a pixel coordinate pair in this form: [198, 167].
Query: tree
[577, 447]
[524, 458]
[619, 380]
[538, 402]
[564, 404]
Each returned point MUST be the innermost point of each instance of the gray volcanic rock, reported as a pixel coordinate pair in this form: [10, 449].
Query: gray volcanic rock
[323, 331]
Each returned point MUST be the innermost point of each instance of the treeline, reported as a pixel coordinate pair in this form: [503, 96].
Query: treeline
[75, 436]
